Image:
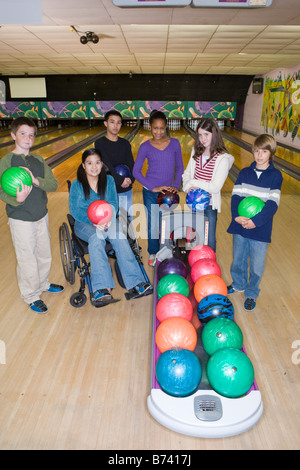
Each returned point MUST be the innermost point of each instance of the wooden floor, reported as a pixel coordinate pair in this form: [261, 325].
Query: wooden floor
[79, 378]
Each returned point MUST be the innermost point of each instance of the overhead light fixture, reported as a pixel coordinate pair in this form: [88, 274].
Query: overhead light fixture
[87, 36]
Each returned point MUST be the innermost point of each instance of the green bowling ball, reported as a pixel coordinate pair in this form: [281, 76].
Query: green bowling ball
[12, 177]
[221, 333]
[230, 372]
[250, 206]
[172, 283]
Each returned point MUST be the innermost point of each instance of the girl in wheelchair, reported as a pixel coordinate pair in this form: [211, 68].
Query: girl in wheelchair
[94, 183]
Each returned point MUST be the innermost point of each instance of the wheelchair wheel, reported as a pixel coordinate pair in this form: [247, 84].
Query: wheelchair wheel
[66, 253]
[78, 299]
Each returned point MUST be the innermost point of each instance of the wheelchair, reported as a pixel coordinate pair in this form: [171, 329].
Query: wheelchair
[73, 251]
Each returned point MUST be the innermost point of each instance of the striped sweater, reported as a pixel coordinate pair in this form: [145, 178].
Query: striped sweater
[267, 186]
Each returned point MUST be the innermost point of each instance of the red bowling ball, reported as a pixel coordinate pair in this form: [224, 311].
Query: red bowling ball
[204, 266]
[100, 212]
[200, 252]
[174, 305]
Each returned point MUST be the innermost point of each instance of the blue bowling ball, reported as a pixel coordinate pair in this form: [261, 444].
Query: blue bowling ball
[178, 372]
[168, 200]
[123, 170]
[171, 266]
[197, 199]
[213, 306]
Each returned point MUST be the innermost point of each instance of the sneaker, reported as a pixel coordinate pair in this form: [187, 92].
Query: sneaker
[102, 295]
[249, 304]
[152, 260]
[55, 288]
[231, 289]
[142, 288]
[38, 306]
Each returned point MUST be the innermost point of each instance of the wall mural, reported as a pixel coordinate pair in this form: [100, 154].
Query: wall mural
[128, 109]
[281, 105]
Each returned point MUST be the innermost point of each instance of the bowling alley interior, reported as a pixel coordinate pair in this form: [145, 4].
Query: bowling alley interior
[85, 378]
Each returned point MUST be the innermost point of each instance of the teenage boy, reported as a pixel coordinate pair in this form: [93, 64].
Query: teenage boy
[251, 236]
[116, 150]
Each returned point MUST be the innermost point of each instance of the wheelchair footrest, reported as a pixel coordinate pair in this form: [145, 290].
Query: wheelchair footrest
[133, 294]
[103, 303]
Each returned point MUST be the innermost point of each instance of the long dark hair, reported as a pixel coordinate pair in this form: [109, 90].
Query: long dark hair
[217, 145]
[81, 175]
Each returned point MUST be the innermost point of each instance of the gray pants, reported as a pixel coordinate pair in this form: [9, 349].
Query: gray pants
[31, 241]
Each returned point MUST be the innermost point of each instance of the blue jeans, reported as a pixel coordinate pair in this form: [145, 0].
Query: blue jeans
[152, 213]
[125, 202]
[212, 215]
[101, 273]
[246, 250]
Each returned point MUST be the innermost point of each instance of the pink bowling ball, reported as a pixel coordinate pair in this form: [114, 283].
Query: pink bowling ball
[204, 266]
[200, 252]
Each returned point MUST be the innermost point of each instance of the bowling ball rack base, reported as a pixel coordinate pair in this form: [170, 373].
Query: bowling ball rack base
[205, 413]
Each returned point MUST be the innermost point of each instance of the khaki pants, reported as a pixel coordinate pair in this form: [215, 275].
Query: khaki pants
[31, 241]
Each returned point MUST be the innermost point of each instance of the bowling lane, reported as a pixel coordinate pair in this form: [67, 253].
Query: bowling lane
[43, 138]
[281, 152]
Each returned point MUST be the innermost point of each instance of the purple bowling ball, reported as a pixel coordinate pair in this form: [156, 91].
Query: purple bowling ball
[171, 266]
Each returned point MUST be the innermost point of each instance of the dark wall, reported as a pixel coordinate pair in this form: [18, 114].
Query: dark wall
[145, 87]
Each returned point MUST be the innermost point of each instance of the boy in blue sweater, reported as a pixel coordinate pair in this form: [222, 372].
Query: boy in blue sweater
[252, 235]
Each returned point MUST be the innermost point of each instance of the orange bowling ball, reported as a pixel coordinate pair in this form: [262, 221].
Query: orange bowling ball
[176, 332]
[209, 284]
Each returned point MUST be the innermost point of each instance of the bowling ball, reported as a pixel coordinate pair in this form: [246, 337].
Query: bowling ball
[123, 170]
[250, 206]
[197, 199]
[100, 212]
[178, 372]
[209, 284]
[175, 332]
[12, 177]
[174, 305]
[214, 306]
[171, 266]
[172, 283]
[230, 372]
[204, 266]
[200, 252]
[168, 200]
[221, 333]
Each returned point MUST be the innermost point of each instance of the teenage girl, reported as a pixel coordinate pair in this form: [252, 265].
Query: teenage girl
[93, 183]
[165, 168]
[208, 169]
